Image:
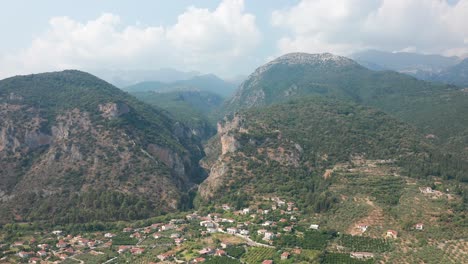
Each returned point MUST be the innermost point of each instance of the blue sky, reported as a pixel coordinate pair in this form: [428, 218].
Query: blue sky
[228, 37]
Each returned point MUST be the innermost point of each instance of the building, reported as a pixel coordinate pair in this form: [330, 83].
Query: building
[109, 235]
[168, 227]
[419, 226]
[137, 251]
[123, 249]
[57, 232]
[177, 221]
[363, 227]
[426, 190]
[285, 255]
[61, 244]
[391, 234]
[191, 217]
[208, 224]
[175, 235]
[18, 243]
[24, 254]
[34, 261]
[127, 230]
[361, 255]
[205, 251]
[220, 252]
[268, 236]
[314, 227]
[135, 235]
[231, 230]
[165, 256]
[212, 230]
[268, 261]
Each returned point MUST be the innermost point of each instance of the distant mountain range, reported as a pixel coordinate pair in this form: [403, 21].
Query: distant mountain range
[123, 78]
[341, 145]
[451, 70]
[206, 83]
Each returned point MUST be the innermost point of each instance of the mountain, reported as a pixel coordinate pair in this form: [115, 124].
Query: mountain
[207, 83]
[291, 149]
[79, 149]
[193, 108]
[434, 108]
[123, 78]
[457, 74]
[419, 65]
[298, 74]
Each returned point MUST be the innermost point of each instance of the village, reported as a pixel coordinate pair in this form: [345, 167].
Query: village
[183, 240]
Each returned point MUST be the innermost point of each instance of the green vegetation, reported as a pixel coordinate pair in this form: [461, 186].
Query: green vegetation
[193, 108]
[285, 149]
[256, 255]
[367, 244]
[338, 258]
[221, 260]
[69, 180]
[123, 239]
[235, 251]
[309, 240]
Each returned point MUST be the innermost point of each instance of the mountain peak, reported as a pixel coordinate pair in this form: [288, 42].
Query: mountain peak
[301, 58]
[306, 58]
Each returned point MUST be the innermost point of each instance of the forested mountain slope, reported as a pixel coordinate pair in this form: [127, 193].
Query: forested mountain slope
[76, 148]
[436, 109]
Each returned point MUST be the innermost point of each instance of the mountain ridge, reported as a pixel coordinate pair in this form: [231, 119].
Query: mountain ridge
[69, 135]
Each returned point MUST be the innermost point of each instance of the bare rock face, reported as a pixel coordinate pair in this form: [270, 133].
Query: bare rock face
[228, 142]
[215, 180]
[113, 110]
[227, 158]
[171, 159]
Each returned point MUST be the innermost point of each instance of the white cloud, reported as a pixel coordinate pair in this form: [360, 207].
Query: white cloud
[201, 39]
[345, 26]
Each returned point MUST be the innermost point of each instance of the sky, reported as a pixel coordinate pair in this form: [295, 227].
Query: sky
[224, 37]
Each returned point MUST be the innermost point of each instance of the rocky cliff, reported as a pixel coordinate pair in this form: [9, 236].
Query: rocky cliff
[69, 133]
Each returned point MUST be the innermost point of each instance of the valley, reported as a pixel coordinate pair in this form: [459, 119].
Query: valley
[314, 159]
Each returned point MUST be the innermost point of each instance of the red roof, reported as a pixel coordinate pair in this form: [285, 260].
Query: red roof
[220, 252]
[267, 261]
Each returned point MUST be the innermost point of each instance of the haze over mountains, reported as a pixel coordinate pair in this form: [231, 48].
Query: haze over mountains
[451, 70]
[304, 127]
[234, 132]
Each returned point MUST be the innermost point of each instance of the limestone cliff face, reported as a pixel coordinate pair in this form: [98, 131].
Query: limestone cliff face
[67, 134]
[226, 155]
[96, 157]
[113, 110]
[226, 131]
